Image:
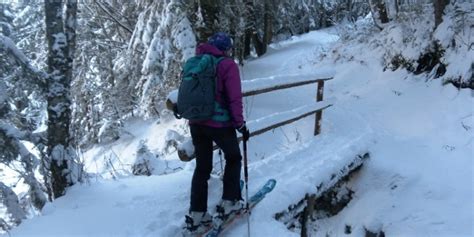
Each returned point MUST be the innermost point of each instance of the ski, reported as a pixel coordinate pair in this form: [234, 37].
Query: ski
[206, 229]
[253, 201]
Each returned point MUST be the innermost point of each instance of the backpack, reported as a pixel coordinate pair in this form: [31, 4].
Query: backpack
[196, 93]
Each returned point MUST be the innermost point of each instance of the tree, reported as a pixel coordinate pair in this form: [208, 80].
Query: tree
[15, 213]
[261, 38]
[268, 16]
[250, 28]
[232, 20]
[379, 12]
[60, 155]
[101, 94]
[209, 12]
[439, 6]
[18, 79]
[258, 27]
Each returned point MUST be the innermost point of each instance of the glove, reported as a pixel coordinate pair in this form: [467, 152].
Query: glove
[244, 131]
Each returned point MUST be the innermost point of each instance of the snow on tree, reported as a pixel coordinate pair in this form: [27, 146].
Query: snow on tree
[148, 163]
[6, 18]
[19, 80]
[137, 52]
[455, 37]
[29, 32]
[145, 157]
[14, 151]
[10, 207]
[162, 40]
[97, 114]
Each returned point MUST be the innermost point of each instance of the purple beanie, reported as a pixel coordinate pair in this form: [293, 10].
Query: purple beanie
[221, 41]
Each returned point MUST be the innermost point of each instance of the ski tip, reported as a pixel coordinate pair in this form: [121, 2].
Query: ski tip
[272, 182]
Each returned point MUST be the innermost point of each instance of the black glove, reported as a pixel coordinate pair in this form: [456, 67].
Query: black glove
[244, 131]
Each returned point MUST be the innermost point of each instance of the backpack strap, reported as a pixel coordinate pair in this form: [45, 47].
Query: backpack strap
[216, 63]
[223, 114]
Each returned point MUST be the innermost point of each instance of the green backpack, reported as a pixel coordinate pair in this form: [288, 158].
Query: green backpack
[196, 93]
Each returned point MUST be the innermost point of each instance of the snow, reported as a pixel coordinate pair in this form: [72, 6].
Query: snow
[10, 199]
[418, 181]
[60, 42]
[268, 82]
[404, 193]
[8, 45]
[10, 130]
[187, 146]
[275, 118]
[173, 96]
[462, 57]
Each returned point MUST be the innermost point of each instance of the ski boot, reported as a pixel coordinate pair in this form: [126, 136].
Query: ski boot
[196, 223]
[226, 209]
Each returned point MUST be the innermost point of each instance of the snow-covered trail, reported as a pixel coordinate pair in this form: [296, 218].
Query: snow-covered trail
[290, 56]
[416, 182]
[155, 206]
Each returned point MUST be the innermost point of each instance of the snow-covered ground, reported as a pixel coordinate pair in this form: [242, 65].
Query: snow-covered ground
[418, 181]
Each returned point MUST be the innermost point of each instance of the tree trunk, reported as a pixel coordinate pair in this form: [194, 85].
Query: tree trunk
[249, 26]
[268, 27]
[251, 29]
[70, 28]
[209, 12]
[397, 7]
[58, 98]
[379, 12]
[260, 47]
[439, 6]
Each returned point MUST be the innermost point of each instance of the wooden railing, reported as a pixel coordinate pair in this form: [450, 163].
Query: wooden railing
[265, 85]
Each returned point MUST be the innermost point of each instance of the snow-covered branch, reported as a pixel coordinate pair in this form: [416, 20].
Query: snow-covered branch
[7, 45]
[9, 199]
[15, 133]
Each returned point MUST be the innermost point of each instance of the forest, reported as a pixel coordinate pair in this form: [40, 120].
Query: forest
[74, 73]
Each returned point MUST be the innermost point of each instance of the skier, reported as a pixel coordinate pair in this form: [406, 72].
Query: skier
[222, 131]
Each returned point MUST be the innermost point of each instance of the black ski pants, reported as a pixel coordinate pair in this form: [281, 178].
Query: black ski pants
[226, 139]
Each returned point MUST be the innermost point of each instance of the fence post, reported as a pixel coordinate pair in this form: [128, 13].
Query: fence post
[319, 114]
[307, 213]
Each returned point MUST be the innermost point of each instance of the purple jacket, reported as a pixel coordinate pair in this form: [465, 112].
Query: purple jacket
[229, 91]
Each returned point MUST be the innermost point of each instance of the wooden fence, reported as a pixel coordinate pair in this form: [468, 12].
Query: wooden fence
[250, 88]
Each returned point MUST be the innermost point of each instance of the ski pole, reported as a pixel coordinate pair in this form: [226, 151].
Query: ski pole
[220, 158]
[246, 177]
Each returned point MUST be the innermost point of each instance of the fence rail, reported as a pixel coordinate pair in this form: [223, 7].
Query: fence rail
[256, 87]
[258, 127]
[284, 86]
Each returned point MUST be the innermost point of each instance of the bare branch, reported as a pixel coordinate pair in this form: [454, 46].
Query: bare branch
[113, 17]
